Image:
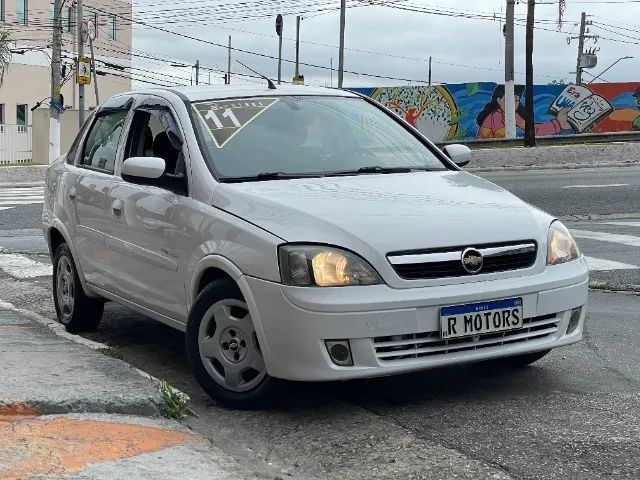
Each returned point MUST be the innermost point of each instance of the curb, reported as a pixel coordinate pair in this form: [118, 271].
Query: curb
[551, 166]
[597, 216]
[142, 409]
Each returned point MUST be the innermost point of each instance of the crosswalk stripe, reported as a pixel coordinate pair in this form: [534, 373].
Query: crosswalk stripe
[624, 224]
[608, 237]
[22, 202]
[11, 197]
[20, 197]
[602, 265]
[21, 267]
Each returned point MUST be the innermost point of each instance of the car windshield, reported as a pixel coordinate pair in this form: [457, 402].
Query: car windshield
[289, 136]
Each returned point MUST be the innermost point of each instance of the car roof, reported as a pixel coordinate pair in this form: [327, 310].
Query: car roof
[215, 92]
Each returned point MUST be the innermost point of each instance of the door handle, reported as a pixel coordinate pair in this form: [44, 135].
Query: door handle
[72, 193]
[117, 207]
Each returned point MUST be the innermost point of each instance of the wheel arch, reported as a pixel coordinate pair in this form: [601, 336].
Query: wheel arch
[215, 267]
[57, 234]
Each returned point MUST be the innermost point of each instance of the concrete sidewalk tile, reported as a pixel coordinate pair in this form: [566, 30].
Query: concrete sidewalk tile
[54, 374]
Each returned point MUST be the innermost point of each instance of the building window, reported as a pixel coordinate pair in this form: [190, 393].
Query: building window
[22, 12]
[1, 113]
[111, 27]
[1, 10]
[22, 116]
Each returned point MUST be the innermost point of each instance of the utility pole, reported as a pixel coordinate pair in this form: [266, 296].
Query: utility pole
[530, 130]
[297, 45]
[583, 28]
[331, 67]
[429, 71]
[279, 26]
[74, 44]
[197, 72]
[229, 63]
[93, 69]
[80, 55]
[509, 86]
[343, 13]
[56, 67]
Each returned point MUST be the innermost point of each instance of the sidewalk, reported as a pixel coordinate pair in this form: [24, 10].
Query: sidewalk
[69, 411]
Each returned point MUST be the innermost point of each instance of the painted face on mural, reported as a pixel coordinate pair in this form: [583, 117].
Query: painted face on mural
[501, 102]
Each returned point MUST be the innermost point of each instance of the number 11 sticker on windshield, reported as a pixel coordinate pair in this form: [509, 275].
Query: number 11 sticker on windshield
[225, 118]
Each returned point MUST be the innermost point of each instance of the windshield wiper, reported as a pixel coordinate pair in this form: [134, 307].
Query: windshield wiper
[372, 169]
[267, 176]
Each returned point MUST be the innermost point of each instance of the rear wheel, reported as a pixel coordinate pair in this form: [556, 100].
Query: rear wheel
[223, 348]
[76, 311]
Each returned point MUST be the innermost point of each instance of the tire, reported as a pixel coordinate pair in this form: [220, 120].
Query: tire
[76, 311]
[524, 360]
[223, 349]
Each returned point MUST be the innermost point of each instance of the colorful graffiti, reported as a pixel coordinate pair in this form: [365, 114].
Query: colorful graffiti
[475, 110]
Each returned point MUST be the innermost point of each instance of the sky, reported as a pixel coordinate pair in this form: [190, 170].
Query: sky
[385, 41]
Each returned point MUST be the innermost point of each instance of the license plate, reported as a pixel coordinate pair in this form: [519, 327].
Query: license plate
[479, 318]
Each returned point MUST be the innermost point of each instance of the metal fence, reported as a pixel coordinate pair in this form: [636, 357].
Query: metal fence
[15, 144]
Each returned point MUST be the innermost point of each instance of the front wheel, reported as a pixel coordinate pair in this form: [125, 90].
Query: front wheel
[76, 311]
[223, 348]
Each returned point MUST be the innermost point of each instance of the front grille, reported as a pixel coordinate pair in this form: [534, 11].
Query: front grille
[448, 263]
[429, 344]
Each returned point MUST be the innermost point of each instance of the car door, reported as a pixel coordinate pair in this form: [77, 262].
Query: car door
[89, 188]
[147, 226]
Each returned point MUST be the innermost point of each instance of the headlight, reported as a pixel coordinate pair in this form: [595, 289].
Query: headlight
[561, 246]
[320, 266]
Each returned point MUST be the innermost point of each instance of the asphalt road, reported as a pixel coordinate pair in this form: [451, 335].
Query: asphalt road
[573, 415]
[602, 191]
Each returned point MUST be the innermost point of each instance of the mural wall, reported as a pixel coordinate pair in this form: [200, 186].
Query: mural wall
[474, 110]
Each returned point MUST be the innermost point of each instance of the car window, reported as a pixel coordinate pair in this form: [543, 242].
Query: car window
[73, 149]
[305, 135]
[101, 146]
[149, 137]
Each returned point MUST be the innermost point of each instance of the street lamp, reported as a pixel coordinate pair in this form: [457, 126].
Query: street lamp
[609, 68]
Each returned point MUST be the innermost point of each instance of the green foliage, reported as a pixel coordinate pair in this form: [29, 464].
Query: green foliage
[112, 352]
[176, 404]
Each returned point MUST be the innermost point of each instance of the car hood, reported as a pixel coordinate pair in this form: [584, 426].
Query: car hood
[385, 213]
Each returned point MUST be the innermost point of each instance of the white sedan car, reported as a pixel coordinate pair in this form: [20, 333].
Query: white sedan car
[303, 234]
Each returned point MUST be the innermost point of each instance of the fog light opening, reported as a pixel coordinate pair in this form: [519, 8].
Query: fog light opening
[574, 321]
[340, 352]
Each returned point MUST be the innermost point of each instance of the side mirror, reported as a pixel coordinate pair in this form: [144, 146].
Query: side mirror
[459, 154]
[143, 167]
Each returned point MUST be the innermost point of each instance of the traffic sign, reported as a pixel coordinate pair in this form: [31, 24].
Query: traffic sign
[85, 31]
[279, 23]
[84, 71]
[91, 30]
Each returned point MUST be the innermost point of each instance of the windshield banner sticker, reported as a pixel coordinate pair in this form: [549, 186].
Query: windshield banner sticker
[225, 118]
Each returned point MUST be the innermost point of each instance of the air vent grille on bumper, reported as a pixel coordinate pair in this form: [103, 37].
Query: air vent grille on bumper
[448, 263]
[428, 344]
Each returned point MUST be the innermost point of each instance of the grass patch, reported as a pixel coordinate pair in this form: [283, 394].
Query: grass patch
[112, 352]
[177, 405]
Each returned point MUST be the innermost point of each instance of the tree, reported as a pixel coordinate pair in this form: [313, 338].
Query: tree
[5, 53]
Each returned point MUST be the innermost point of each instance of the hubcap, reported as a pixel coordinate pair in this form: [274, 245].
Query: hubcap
[65, 288]
[229, 347]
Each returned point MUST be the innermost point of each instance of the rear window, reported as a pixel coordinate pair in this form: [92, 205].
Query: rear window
[304, 135]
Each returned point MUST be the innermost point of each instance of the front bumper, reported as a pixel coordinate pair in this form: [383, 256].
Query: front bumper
[293, 323]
